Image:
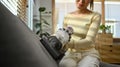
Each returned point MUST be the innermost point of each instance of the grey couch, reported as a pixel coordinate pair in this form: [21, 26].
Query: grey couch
[20, 47]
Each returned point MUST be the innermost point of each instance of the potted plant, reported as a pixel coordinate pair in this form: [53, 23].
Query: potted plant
[105, 28]
[39, 25]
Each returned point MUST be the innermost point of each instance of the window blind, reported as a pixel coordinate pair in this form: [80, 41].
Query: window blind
[17, 7]
[11, 5]
[22, 10]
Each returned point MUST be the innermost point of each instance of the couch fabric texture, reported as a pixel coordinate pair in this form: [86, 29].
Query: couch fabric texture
[19, 46]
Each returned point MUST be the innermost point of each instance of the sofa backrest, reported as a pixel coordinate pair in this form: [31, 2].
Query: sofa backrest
[19, 46]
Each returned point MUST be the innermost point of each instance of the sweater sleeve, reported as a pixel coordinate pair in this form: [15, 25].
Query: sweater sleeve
[70, 43]
[91, 34]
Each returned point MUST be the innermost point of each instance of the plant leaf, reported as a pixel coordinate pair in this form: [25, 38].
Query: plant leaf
[41, 9]
[44, 21]
[38, 32]
[37, 25]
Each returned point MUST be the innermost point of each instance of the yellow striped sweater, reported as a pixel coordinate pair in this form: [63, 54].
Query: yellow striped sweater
[85, 29]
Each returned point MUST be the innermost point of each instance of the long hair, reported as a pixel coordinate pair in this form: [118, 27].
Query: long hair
[91, 4]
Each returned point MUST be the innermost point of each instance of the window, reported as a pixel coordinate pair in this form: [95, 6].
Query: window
[112, 17]
[20, 8]
[11, 5]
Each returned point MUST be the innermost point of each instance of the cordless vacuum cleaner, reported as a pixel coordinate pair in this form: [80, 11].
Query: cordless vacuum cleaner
[57, 41]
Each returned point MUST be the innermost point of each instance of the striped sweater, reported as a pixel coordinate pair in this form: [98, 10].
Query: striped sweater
[85, 29]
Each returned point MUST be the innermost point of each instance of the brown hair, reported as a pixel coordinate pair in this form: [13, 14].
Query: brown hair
[91, 4]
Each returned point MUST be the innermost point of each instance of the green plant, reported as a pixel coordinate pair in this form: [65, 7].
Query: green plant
[104, 28]
[39, 25]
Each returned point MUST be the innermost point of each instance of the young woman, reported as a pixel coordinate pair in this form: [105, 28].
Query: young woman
[81, 48]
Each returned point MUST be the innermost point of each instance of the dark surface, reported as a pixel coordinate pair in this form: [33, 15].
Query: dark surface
[19, 46]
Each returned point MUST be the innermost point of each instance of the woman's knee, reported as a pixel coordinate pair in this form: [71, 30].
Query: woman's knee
[67, 62]
[89, 61]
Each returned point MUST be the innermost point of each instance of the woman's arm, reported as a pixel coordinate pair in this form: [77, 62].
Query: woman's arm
[91, 34]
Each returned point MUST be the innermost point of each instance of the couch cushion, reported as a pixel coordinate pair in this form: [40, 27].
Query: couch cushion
[19, 46]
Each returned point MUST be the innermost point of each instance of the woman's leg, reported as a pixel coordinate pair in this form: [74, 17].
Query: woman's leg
[89, 61]
[68, 62]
